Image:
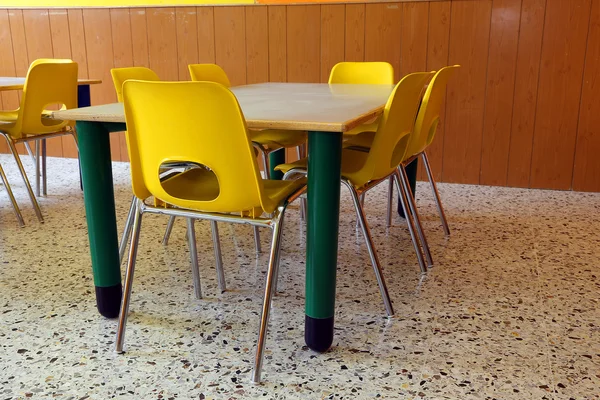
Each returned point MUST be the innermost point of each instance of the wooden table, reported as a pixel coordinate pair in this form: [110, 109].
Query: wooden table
[11, 83]
[326, 111]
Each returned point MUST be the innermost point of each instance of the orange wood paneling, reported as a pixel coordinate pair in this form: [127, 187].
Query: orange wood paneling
[187, 40]
[123, 57]
[162, 42]
[206, 34]
[230, 42]
[504, 40]
[9, 99]
[469, 45]
[21, 59]
[100, 57]
[61, 47]
[257, 44]
[561, 76]
[303, 43]
[139, 37]
[438, 39]
[277, 44]
[383, 32]
[332, 37]
[526, 87]
[355, 32]
[413, 53]
[586, 174]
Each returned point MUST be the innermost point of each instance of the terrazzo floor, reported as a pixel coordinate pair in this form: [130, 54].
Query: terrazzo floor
[510, 310]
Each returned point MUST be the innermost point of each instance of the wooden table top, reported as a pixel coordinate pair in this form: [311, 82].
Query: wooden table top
[289, 106]
[11, 83]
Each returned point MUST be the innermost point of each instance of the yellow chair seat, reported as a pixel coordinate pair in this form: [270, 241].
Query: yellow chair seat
[273, 139]
[9, 116]
[369, 127]
[363, 140]
[352, 162]
[201, 184]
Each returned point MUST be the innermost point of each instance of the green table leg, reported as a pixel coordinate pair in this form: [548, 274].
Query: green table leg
[96, 171]
[411, 171]
[275, 158]
[324, 163]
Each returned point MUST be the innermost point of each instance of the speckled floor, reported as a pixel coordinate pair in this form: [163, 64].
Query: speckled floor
[509, 312]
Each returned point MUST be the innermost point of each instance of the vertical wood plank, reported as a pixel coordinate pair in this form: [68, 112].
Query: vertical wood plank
[332, 37]
[526, 92]
[277, 44]
[77, 36]
[230, 42]
[504, 38]
[257, 44]
[469, 43]
[355, 32]
[21, 58]
[61, 47]
[123, 57]
[139, 37]
[303, 43]
[79, 55]
[8, 99]
[187, 40]
[586, 174]
[414, 31]
[206, 34]
[438, 39]
[383, 32]
[100, 56]
[162, 42]
[561, 74]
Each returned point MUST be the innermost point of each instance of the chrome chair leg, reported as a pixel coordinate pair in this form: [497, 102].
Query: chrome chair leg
[266, 308]
[409, 221]
[36, 206]
[167, 235]
[44, 180]
[257, 239]
[415, 213]
[389, 201]
[37, 168]
[133, 248]
[276, 277]
[12, 198]
[191, 233]
[29, 151]
[218, 256]
[127, 229]
[436, 194]
[362, 222]
[265, 158]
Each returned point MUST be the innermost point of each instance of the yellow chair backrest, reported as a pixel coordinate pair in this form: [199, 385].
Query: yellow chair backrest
[49, 82]
[209, 73]
[198, 115]
[366, 73]
[429, 112]
[394, 129]
[120, 75]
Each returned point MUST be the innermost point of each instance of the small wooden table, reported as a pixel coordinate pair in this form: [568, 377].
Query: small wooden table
[326, 111]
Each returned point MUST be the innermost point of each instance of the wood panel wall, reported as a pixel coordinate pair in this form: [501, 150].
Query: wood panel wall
[523, 110]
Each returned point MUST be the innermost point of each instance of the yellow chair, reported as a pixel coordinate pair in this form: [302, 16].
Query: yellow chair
[119, 76]
[13, 201]
[230, 189]
[425, 128]
[265, 141]
[49, 82]
[363, 73]
[362, 171]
